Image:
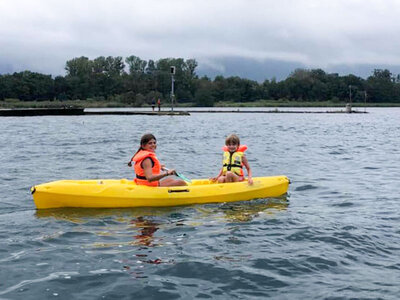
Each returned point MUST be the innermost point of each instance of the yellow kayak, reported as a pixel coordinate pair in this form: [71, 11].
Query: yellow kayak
[113, 193]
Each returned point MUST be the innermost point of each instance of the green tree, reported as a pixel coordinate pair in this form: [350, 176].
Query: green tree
[151, 67]
[80, 67]
[204, 93]
[381, 87]
[114, 66]
[29, 86]
[265, 87]
[7, 87]
[61, 88]
[135, 64]
[79, 71]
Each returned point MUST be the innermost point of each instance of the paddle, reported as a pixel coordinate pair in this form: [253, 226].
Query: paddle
[180, 175]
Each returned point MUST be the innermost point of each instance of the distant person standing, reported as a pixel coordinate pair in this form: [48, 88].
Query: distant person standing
[153, 104]
[159, 104]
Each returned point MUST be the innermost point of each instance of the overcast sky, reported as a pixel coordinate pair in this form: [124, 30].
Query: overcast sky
[41, 35]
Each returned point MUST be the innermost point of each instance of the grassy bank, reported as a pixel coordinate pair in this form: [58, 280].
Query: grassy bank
[15, 103]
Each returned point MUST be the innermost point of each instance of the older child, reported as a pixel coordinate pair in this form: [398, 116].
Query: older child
[148, 168]
[233, 162]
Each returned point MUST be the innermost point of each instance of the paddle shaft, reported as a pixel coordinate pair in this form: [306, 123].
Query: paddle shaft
[179, 175]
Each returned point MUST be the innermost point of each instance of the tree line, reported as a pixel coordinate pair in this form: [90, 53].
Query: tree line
[137, 82]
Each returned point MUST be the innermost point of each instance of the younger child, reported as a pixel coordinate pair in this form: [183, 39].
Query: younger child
[233, 162]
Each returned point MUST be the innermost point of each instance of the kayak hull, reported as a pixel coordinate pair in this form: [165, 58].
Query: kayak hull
[117, 193]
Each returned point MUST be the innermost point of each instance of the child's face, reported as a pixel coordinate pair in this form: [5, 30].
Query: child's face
[151, 145]
[232, 147]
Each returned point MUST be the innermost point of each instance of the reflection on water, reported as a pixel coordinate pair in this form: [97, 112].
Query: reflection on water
[143, 217]
[245, 211]
[81, 215]
[147, 229]
[114, 228]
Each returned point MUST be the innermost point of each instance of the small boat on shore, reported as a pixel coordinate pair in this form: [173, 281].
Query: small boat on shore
[118, 193]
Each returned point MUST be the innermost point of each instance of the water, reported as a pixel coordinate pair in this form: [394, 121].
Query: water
[334, 236]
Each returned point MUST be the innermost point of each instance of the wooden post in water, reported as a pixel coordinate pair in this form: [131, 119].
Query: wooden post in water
[348, 105]
[172, 87]
[365, 101]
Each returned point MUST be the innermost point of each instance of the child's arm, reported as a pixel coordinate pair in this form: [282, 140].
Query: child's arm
[148, 172]
[216, 177]
[249, 173]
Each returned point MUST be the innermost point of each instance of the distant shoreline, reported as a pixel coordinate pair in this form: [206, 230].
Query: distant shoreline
[14, 103]
[29, 112]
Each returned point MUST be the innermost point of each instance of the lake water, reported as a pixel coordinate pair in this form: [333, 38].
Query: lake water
[335, 235]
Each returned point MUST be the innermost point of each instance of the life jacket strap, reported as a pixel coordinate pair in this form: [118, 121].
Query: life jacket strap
[141, 177]
[229, 166]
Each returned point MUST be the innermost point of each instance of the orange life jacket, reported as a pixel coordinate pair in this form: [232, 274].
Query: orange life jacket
[139, 171]
[233, 161]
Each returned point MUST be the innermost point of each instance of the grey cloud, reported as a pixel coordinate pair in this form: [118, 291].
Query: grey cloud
[42, 35]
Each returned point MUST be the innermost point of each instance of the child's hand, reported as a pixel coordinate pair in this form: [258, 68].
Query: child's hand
[171, 172]
[250, 181]
[213, 179]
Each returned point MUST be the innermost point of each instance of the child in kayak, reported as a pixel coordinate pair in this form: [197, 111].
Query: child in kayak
[148, 168]
[233, 162]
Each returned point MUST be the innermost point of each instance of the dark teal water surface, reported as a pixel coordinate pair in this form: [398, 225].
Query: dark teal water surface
[336, 234]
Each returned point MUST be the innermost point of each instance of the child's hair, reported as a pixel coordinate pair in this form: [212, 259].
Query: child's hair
[143, 141]
[232, 139]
